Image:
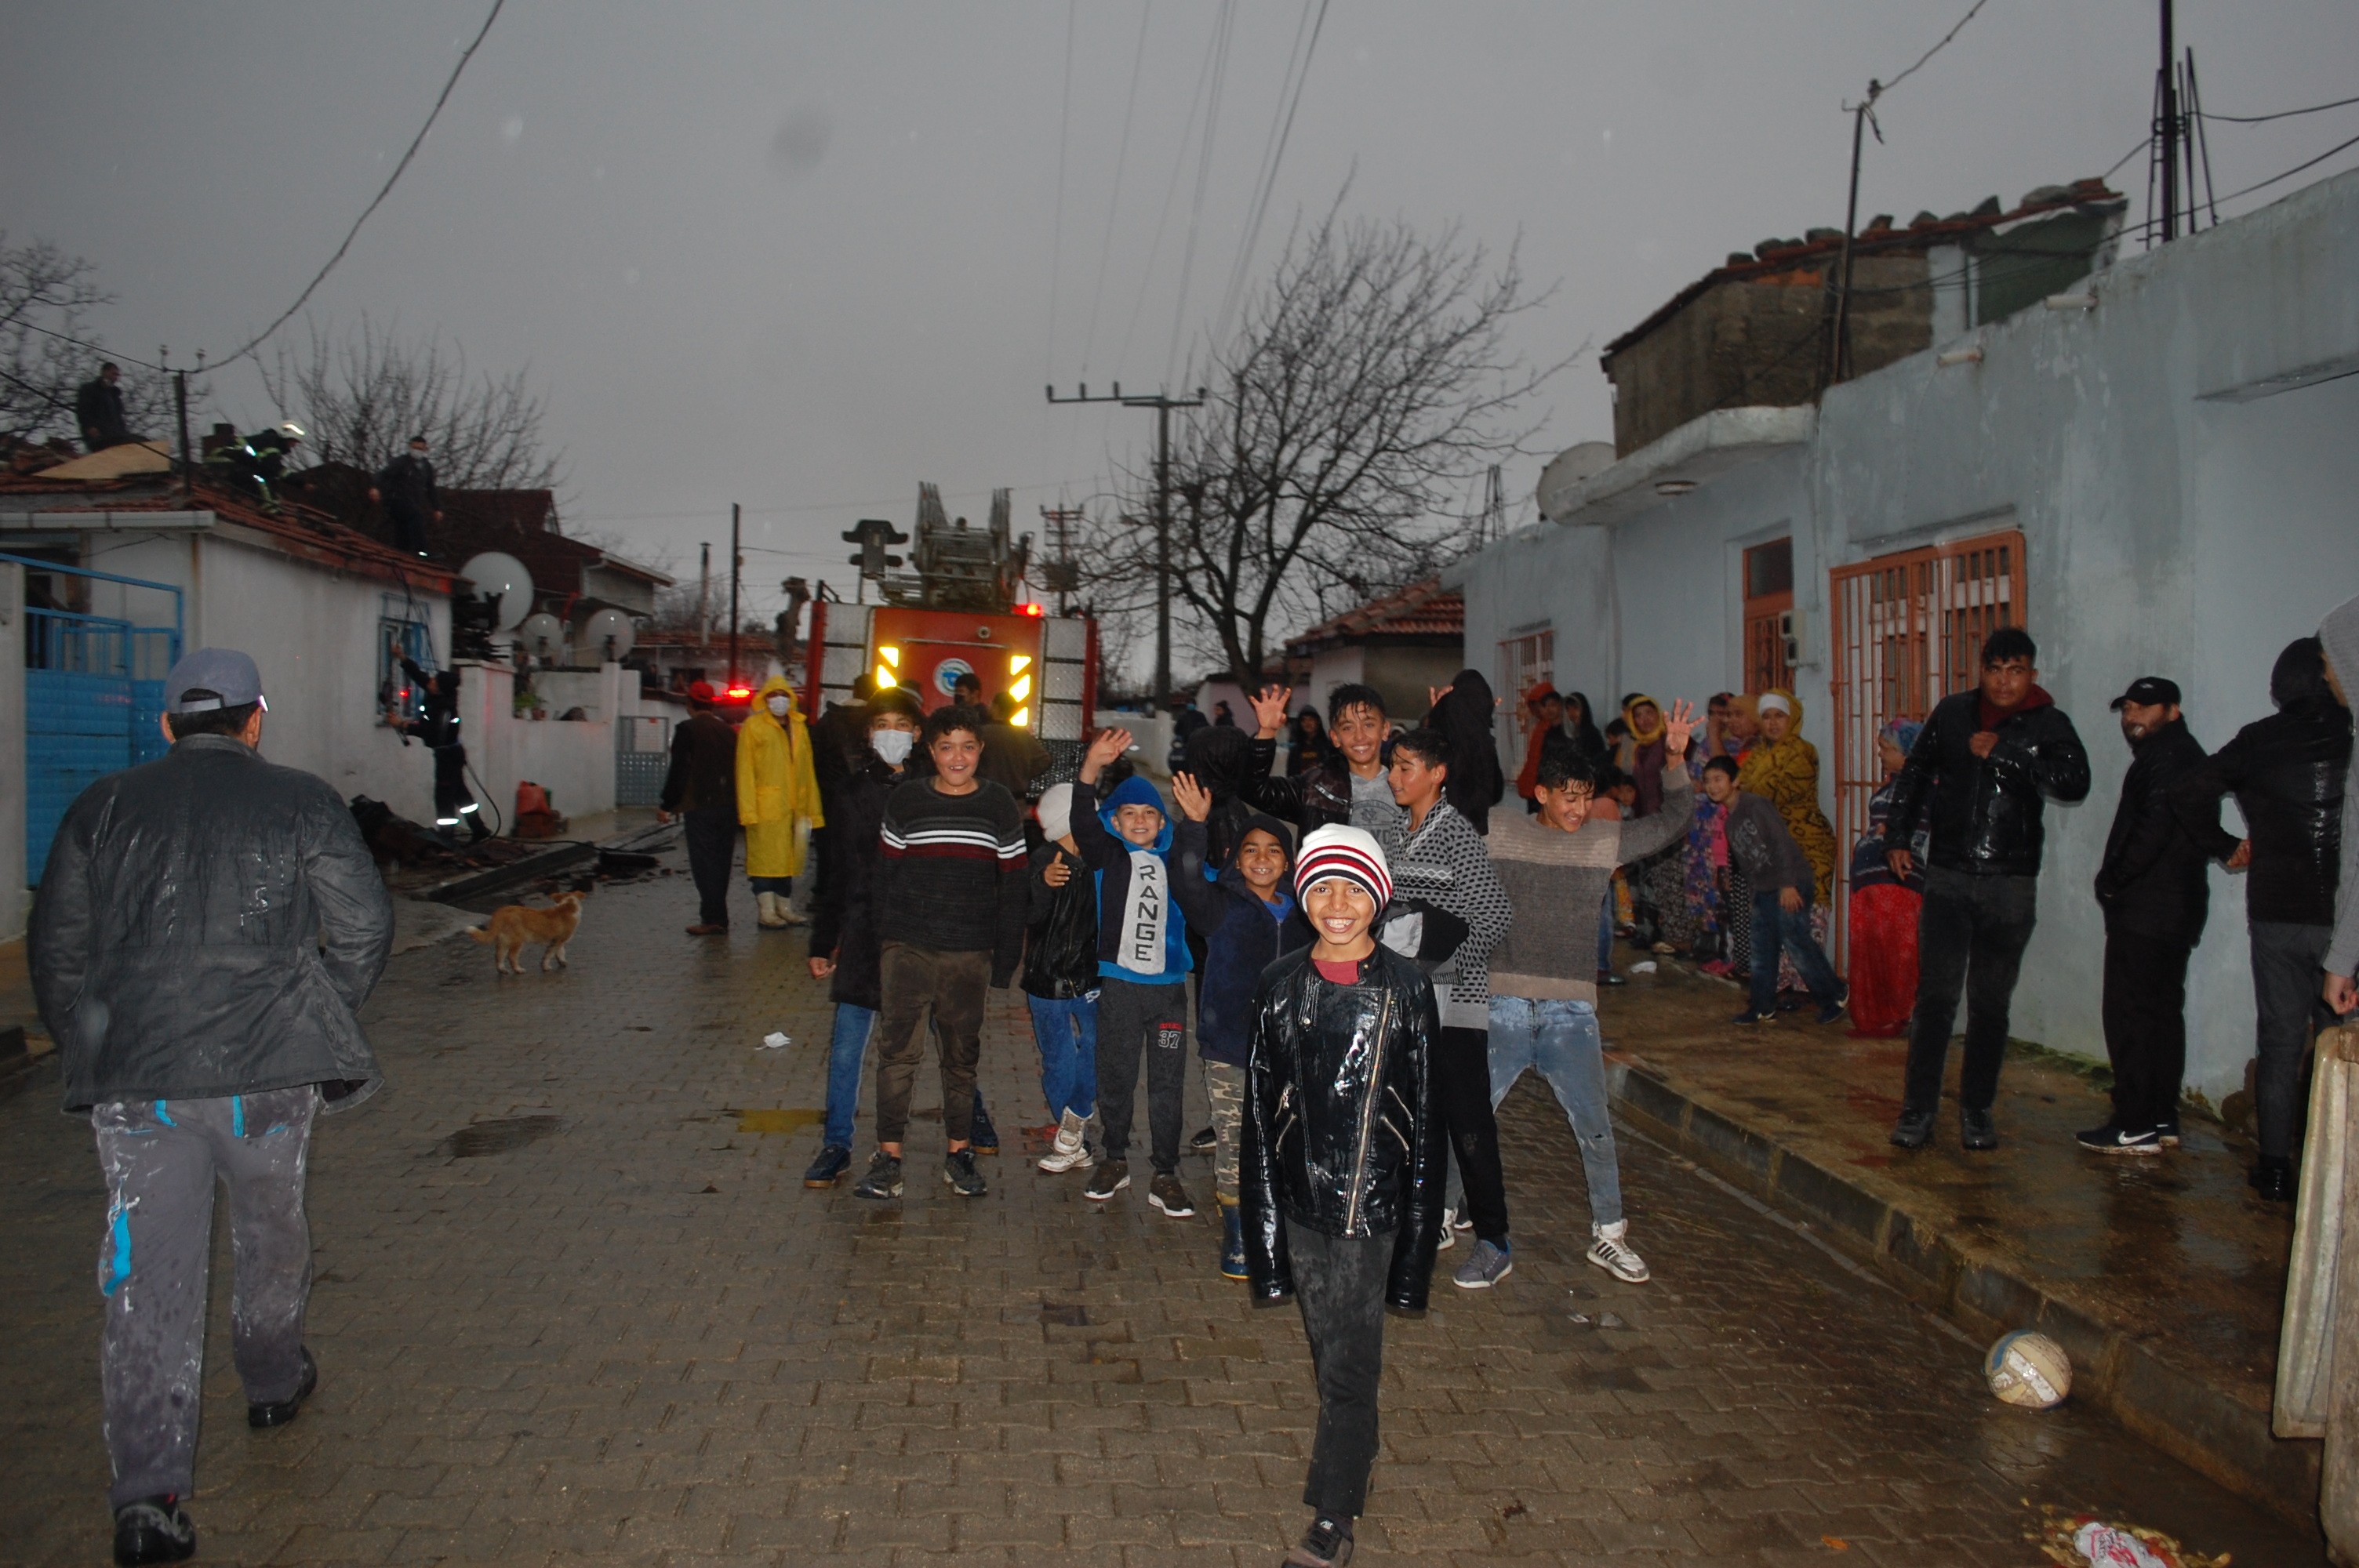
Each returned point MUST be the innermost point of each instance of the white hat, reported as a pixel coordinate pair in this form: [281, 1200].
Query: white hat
[1351, 853]
[1056, 810]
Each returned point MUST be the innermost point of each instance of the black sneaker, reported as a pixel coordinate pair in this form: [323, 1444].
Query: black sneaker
[1914, 1129]
[829, 1168]
[1109, 1178]
[2273, 1179]
[1326, 1545]
[2166, 1133]
[1749, 1017]
[1835, 1009]
[960, 1176]
[882, 1180]
[2111, 1139]
[154, 1529]
[284, 1410]
[1977, 1130]
[1164, 1192]
[981, 1136]
[1205, 1143]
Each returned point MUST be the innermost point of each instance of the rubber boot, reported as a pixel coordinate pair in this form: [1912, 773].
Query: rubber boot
[773, 915]
[1233, 1240]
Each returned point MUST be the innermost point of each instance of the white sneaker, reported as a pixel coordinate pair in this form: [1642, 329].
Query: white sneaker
[1610, 1252]
[1071, 1151]
[1449, 1237]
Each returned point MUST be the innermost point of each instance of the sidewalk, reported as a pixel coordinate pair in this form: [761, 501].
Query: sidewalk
[2163, 1277]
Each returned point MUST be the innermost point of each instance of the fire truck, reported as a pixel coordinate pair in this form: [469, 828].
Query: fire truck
[961, 611]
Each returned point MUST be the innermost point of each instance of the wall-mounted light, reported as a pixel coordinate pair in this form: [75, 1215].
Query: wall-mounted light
[1972, 356]
[1674, 486]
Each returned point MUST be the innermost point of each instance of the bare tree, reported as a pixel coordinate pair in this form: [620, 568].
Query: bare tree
[362, 395]
[1369, 383]
[47, 350]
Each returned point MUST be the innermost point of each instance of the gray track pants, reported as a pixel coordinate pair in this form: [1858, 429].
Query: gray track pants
[161, 1159]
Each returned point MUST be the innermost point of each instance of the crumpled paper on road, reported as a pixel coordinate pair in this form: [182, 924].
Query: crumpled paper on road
[2084, 1540]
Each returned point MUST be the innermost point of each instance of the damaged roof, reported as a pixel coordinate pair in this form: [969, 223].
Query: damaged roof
[1421, 609]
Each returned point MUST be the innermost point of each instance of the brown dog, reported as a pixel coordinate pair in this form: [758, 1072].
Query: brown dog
[515, 925]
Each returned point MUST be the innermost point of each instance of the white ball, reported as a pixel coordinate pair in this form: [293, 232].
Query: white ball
[2028, 1369]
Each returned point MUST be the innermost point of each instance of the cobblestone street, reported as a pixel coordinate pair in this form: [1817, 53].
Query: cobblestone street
[624, 1332]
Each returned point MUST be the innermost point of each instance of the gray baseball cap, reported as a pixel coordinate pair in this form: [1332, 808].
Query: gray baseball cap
[223, 671]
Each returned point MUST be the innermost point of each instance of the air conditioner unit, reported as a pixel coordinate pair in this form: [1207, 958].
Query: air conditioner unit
[1789, 628]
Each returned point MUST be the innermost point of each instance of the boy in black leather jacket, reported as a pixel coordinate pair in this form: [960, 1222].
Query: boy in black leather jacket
[1341, 1165]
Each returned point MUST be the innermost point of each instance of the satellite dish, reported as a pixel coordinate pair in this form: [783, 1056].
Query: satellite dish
[543, 633]
[500, 576]
[608, 634]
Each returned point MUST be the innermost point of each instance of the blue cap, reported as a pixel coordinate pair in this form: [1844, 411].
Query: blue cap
[227, 673]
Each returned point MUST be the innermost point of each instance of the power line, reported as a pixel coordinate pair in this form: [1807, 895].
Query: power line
[1203, 174]
[1057, 234]
[1121, 161]
[416, 142]
[1170, 191]
[1290, 91]
[86, 343]
[2263, 184]
[2280, 114]
[1971, 12]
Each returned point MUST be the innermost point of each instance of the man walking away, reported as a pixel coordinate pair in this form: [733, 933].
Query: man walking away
[208, 927]
[1143, 967]
[1556, 866]
[1341, 1163]
[98, 409]
[700, 787]
[2155, 888]
[1978, 780]
[404, 488]
[1784, 887]
[2286, 774]
[952, 898]
[1448, 913]
[453, 802]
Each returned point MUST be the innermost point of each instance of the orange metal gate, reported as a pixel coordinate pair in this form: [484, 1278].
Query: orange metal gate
[1907, 630]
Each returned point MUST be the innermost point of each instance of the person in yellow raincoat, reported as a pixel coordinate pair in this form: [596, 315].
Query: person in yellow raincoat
[778, 798]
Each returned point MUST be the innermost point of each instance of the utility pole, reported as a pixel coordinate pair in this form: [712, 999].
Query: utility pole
[1838, 362]
[735, 561]
[1163, 405]
[2166, 128]
[1061, 519]
[704, 595]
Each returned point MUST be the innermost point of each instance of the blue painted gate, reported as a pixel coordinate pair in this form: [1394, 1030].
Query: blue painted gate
[94, 695]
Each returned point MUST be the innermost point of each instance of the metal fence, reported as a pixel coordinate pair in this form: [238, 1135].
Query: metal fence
[642, 753]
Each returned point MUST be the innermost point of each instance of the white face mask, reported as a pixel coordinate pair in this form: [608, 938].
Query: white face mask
[893, 745]
[778, 705]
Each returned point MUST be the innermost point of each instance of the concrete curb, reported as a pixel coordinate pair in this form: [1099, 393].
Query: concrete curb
[2197, 1421]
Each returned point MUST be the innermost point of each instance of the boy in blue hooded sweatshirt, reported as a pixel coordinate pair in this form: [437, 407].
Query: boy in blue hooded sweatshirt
[1143, 963]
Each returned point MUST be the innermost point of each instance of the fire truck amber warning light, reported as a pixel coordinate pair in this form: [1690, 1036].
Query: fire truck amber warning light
[1021, 688]
[1021, 718]
[1016, 662]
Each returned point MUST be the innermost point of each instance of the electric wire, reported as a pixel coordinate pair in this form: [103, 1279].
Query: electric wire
[2152, 223]
[1971, 12]
[1170, 191]
[386, 190]
[1203, 174]
[2280, 114]
[16, 321]
[1057, 232]
[1114, 207]
[1229, 291]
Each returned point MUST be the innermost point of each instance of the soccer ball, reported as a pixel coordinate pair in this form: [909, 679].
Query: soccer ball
[2028, 1369]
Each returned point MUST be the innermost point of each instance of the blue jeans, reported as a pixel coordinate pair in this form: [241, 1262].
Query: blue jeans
[1067, 1036]
[1559, 1040]
[1773, 925]
[846, 1052]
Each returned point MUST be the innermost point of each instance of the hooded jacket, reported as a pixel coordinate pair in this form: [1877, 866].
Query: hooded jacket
[2286, 774]
[2154, 880]
[1341, 1132]
[777, 785]
[1134, 887]
[2339, 632]
[1986, 812]
[209, 925]
[847, 916]
[1241, 934]
[1463, 718]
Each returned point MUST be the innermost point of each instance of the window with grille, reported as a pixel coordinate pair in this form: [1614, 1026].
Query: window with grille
[1908, 631]
[1526, 661]
[1768, 595]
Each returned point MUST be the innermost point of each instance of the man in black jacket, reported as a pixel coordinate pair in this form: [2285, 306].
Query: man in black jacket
[700, 786]
[98, 409]
[2153, 886]
[405, 488]
[2286, 774]
[438, 728]
[1976, 779]
[208, 927]
[1353, 785]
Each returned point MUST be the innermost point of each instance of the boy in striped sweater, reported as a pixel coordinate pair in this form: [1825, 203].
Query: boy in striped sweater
[952, 895]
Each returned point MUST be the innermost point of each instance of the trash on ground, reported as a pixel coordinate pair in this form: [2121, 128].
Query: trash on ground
[2084, 1540]
[1644, 967]
[774, 1041]
[2028, 1369]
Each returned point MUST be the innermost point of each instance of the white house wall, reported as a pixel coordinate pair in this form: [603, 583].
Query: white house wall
[2182, 469]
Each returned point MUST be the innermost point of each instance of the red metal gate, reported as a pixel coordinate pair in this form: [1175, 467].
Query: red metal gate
[1907, 630]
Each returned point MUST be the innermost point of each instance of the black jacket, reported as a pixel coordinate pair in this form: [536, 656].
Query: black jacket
[2286, 774]
[408, 485]
[1342, 1134]
[1984, 813]
[98, 409]
[1061, 937]
[2155, 879]
[703, 771]
[846, 917]
[1312, 800]
[209, 925]
[1241, 932]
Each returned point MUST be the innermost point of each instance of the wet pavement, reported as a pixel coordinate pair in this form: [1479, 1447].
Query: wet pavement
[609, 1325]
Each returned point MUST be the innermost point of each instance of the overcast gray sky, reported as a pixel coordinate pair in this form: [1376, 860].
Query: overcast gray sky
[802, 256]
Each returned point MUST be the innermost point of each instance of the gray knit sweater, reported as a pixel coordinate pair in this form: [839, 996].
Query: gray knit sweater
[1556, 882]
[1445, 864]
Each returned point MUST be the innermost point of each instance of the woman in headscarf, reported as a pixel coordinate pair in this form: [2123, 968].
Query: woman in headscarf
[1658, 884]
[1783, 769]
[1579, 729]
[1309, 747]
[1461, 711]
[1543, 712]
[1884, 907]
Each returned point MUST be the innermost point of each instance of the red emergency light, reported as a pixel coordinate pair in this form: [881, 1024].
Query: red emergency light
[1030, 609]
[736, 692]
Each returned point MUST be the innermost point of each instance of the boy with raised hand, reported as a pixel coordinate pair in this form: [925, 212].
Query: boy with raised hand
[1556, 866]
[1351, 786]
[1143, 964]
[1783, 886]
[1341, 1160]
[1239, 919]
[1448, 912]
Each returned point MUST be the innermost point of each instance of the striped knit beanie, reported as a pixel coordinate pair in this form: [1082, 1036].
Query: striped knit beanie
[1351, 853]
